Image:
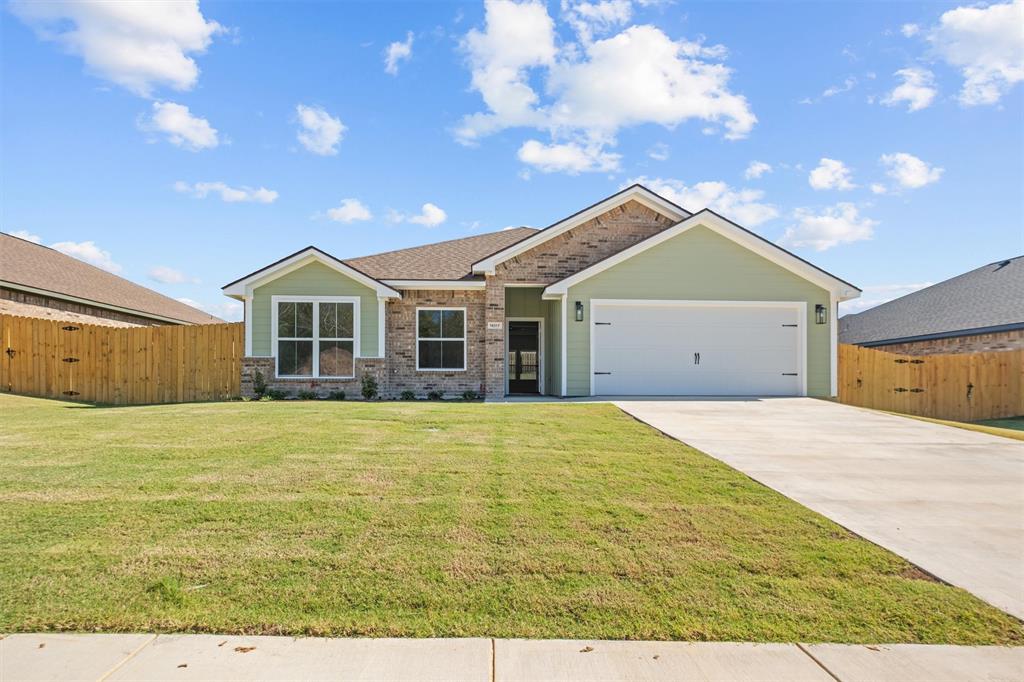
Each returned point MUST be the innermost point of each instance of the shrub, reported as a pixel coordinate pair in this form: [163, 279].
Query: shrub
[470, 395]
[370, 388]
[337, 395]
[434, 395]
[276, 394]
[259, 384]
[408, 395]
[307, 395]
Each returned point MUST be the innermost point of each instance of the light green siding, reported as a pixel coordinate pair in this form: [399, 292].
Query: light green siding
[698, 264]
[552, 347]
[314, 279]
[523, 302]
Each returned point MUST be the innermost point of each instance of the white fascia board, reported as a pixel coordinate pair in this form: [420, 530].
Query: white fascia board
[726, 229]
[637, 193]
[436, 284]
[244, 287]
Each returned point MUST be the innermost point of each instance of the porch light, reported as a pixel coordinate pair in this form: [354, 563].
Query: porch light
[820, 314]
[579, 311]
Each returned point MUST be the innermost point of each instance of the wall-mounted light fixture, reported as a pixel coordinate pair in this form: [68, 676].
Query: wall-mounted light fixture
[820, 314]
[579, 311]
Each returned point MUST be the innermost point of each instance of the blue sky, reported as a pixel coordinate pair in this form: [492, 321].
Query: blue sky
[183, 146]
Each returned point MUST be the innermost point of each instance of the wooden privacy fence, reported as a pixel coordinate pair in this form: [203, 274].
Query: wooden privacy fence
[120, 365]
[962, 387]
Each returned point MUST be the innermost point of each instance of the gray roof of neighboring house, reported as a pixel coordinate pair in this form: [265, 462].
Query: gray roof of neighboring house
[990, 298]
[32, 265]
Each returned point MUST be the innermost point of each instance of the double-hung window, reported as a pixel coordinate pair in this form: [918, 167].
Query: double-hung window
[441, 339]
[315, 337]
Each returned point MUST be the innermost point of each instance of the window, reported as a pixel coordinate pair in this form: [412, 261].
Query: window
[441, 339]
[315, 337]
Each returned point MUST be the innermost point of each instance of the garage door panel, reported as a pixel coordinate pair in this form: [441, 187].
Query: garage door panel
[651, 349]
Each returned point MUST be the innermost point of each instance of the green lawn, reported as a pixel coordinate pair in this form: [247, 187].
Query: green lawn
[428, 519]
[1014, 423]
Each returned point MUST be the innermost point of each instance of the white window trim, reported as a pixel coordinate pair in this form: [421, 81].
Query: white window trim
[541, 377]
[315, 339]
[464, 339]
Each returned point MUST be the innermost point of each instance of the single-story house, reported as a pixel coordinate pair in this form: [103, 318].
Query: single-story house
[980, 310]
[633, 295]
[37, 281]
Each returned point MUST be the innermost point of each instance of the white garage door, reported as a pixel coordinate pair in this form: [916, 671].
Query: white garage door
[685, 348]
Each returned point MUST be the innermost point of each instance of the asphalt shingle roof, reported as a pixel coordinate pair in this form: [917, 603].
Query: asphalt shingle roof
[40, 267]
[990, 296]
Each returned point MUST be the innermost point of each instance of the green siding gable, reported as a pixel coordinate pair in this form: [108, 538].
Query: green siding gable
[314, 279]
[699, 264]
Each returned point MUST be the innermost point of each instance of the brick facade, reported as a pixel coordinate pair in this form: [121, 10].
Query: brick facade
[977, 343]
[72, 307]
[322, 387]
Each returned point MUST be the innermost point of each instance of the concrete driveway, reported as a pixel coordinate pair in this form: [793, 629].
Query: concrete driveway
[949, 500]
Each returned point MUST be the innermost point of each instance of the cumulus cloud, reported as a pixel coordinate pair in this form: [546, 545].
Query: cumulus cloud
[27, 236]
[90, 253]
[831, 174]
[756, 169]
[839, 224]
[745, 206]
[430, 216]
[917, 89]
[181, 128]
[232, 195]
[910, 30]
[909, 171]
[570, 158]
[349, 211]
[659, 152]
[168, 275]
[594, 88]
[398, 51]
[137, 45]
[987, 45]
[319, 132]
[878, 188]
[230, 311]
[879, 294]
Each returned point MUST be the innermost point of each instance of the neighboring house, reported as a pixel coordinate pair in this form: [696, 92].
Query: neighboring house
[37, 281]
[631, 296]
[981, 310]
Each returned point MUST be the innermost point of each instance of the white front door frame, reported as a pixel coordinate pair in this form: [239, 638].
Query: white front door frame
[541, 379]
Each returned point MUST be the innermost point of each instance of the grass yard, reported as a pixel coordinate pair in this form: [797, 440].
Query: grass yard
[428, 519]
[1009, 427]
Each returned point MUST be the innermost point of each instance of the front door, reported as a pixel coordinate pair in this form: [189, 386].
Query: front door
[523, 357]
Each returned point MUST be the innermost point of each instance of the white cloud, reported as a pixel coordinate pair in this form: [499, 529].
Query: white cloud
[831, 174]
[349, 211]
[917, 89]
[745, 206]
[987, 45]
[879, 294]
[910, 30]
[27, 236]
[137, 45]
[594, 88]
[181, 127]
[167, 275]
[878, 188]
[320, 132]
[659, 152]
[398, 52]
[839, 224]
[756, 169]
[570, 158]
[849, 84]
[90, 253]
[229, 194]
[430, 216]
[909, 171]
[230, 311]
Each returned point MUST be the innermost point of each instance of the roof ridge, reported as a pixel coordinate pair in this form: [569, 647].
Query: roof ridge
[446, 241]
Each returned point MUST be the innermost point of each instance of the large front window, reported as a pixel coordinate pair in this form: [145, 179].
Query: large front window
[315, 337]
[441, 339]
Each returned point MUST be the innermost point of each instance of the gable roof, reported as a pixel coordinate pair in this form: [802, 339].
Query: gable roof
[726, 228]
[987, 299]
[635, 192]
[33, 267]
[300, 258]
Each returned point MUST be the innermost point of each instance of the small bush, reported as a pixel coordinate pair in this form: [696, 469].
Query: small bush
[337, 395]
[276, 394]
[408, 395]
[470, 395]
[434, 395]
[259, 384]
[370, 388]
[307, 395]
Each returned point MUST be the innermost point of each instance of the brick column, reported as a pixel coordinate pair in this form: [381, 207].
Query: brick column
[494, 363]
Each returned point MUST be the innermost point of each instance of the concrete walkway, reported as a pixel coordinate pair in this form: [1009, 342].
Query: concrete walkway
[68, 657]
[947, 499]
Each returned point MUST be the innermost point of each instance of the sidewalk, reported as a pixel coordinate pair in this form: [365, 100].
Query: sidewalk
[223, 657]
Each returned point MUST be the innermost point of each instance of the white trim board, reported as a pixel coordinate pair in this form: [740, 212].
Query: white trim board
[637, 193]
[541, 376]
[436, 284]
[464, 339]
[842, 290]
[244, 286]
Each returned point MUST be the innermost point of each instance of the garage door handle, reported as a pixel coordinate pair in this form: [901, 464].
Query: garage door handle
[602, 372]
[789, 374]
[696, 358]
[599, 324]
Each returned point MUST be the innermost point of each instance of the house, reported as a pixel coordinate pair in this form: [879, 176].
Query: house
[980, 310]
[633, 295]
[37, 281]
